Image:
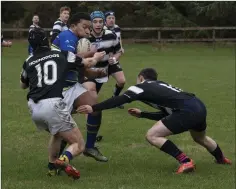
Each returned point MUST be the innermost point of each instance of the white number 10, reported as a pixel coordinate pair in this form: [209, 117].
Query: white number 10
[46, 80]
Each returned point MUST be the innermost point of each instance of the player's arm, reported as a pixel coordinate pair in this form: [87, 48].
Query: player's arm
[133, 93]
[57, 28]
[24, 81]
[117, 48]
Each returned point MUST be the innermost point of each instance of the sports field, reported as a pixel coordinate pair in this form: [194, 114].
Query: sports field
[133, 164]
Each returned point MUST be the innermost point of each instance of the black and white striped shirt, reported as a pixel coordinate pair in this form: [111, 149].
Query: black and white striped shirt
[33, 26]
[58, 27]
[109, 43]
[116, 29]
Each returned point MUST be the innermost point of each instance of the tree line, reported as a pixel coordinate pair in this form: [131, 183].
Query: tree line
[129, 14]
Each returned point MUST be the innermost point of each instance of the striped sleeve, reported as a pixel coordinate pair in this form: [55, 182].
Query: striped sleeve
[116, 44]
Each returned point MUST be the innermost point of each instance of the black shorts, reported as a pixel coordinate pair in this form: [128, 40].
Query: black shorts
[193, 117]
[114, 68]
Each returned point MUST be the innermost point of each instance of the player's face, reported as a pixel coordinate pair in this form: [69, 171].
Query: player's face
[98, 25]
[35, 19]
[65, 16]
[110, 21]
[83, 28]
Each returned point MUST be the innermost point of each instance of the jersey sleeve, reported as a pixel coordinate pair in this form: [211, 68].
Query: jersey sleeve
[134, 92]
[23, 76]
[116, 44]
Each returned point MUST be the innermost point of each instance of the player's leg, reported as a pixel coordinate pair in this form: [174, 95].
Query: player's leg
[211, 146]
[168, 126]
[53, 154]
[117, 73]
[93, 122]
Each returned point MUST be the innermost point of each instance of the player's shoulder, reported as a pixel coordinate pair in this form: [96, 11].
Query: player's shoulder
[110, 34]
[58, 22]
[116, 26]
[29, 58]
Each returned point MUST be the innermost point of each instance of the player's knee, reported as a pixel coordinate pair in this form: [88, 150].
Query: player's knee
[151, 136]
[199, 140]
[121, 82]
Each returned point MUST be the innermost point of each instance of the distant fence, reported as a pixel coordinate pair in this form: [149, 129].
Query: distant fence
[155, 34]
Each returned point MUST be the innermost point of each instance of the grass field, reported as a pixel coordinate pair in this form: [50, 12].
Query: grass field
[133, 164]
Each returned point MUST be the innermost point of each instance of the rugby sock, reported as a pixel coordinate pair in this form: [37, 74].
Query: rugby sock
[93, 125]
[68, 155]
[117, 90]
[63, 145]
[171, 149]
[51, 166]
[217, 153]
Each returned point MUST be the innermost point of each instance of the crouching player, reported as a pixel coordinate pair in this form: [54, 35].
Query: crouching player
[188, 114]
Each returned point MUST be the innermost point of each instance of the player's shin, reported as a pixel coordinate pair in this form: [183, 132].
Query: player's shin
[93, 125]
[62, 147]
[117, 90]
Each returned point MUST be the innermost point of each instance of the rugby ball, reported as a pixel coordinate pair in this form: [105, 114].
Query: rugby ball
[84, 45]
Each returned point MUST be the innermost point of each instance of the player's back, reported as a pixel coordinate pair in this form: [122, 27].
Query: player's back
[46, 74]
[163, 94]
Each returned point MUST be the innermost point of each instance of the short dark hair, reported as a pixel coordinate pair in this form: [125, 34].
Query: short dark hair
[148, 74]
[75, 18]
[65, 8]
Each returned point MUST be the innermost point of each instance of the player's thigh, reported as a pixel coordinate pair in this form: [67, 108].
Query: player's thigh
[158, 130]
[119, 77]
[179, 121]
[72, 94]
[116, 72]
[60, 119]
[72, 136]
[197, 135]
[86, 98]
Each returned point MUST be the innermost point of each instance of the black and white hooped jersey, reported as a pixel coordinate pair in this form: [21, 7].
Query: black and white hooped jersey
[109, 43]
[58, 27]
[116, 29]
[33, 26]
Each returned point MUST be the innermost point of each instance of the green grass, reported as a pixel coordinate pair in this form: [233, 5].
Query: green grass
[133, 164]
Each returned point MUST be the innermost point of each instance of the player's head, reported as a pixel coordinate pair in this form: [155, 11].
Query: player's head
[147, 74]
[37, 38]
[80, 24]
[65, 13]
[35, 19]
[98, 21]
[110, 18]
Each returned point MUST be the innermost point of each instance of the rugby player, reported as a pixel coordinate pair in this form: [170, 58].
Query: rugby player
[61, 23]
[74, 93]
[35, 24]
[115, 70]
[44, 73]
[186, 113]
[103, 40]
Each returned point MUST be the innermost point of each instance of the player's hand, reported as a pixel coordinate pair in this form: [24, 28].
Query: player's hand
[93, 49]
[99, 55]
[122, 50]
[102, 72]
[85, 109]
[112, 60]
[134, 112]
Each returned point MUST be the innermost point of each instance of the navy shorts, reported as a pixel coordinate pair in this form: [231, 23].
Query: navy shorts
[192, 117]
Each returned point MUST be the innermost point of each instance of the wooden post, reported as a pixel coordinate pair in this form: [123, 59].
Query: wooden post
[214, 38]
[159, 39]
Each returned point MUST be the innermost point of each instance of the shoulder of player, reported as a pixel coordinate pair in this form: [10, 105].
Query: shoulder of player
[116, 27]
[58, 22]
[137, 89]
[110, 34]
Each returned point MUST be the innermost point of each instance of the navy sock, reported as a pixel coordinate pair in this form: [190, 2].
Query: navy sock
[63, 145]
[93, 125]
[217, 153]
[117, 90]
[171, 149]
[68, 154]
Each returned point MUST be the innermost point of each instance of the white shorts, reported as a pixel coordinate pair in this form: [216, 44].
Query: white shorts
[71, 94]
[51, 114]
